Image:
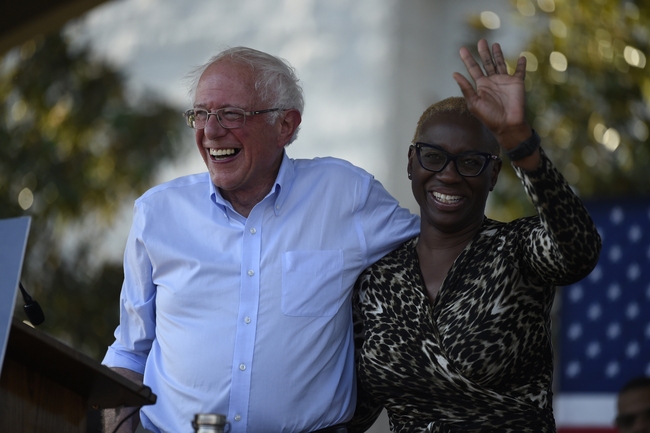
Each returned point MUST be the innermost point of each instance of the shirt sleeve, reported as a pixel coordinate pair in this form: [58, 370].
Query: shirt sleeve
[136, 330]
[563, 245]
[384, 223]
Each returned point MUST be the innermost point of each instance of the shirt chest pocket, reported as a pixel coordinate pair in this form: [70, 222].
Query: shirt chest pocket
[312, 283]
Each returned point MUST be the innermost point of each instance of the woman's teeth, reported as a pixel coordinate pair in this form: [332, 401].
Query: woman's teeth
[448, 199]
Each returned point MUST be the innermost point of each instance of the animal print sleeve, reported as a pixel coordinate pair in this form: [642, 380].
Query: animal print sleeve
[562, 246]
[367, 410]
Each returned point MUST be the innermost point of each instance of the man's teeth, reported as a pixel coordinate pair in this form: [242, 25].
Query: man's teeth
[444, 198]
[222, 152]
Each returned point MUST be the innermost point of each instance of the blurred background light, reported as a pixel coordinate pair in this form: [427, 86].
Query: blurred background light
[634, 57]
[546, 5]
[611, 139]
[526, 8]
[25, 198]
[558, 61]
[531, 61]
[490, 20]
[558, 28]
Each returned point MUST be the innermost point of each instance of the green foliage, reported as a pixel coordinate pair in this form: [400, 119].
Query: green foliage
[588, 96]
[73, 149]
[593, 113]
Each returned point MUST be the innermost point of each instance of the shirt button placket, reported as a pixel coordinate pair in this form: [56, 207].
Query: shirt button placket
[241, 381]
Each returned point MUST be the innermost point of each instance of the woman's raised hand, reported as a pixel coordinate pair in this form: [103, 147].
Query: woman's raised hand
[498, 100]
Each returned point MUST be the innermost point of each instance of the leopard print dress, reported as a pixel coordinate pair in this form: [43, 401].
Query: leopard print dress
[479, 359]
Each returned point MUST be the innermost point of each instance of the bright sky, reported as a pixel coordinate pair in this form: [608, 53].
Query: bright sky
[336, 46]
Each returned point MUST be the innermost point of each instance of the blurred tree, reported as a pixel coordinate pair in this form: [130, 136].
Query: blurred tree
[588, 96]
[73, 149]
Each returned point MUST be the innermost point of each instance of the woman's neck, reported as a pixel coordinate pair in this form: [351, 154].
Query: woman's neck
[437, 252]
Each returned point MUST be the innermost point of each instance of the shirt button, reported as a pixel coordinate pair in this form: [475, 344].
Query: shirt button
[247, 320]
[242, 367]
[251, 273]
[277, 207]
[238, 417]
[253, 231]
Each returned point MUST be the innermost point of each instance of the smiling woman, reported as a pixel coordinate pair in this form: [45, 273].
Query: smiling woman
[452, 328]
[452, 190]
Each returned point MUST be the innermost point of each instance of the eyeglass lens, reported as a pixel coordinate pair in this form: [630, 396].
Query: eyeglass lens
[470, 164]
[228, 117]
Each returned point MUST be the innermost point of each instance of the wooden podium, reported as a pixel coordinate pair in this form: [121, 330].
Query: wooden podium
[46, 386]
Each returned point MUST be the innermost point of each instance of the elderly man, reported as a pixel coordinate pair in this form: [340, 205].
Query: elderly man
[236, 297]
[634, 406]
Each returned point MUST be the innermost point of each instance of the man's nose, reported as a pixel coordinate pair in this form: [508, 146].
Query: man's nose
[213, 128]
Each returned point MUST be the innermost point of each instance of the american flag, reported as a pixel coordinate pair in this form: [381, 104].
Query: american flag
[604, 329]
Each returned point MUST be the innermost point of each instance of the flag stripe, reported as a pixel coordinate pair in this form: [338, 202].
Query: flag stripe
[586, 430]
[604, 325]
[585, 410]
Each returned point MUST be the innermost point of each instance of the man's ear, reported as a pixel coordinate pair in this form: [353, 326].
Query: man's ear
[289, 123]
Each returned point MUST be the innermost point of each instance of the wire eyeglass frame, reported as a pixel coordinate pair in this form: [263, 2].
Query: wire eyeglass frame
[238, 116]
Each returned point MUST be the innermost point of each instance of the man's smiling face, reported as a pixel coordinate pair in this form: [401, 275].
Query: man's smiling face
[241, 161]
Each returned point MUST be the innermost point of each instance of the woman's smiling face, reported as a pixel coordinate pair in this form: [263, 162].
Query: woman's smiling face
[448, 201]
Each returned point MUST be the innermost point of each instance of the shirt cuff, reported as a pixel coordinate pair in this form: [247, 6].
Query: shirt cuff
[116, 358]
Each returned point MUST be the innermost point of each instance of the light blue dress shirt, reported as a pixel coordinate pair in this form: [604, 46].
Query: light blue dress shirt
[251, 317]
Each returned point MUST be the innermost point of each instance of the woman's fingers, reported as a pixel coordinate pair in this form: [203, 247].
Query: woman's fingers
[472, 67]
[520, 72]
[486, 57]
[465, 86]
[502, 67]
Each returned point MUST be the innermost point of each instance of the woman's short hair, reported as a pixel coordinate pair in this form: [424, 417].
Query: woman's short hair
[452, 105]
[276, 81]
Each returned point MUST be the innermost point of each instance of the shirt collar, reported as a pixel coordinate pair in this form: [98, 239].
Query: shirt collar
[281, 187]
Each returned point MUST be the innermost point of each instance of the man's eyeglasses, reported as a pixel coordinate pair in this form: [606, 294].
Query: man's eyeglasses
[229, 118]
[469, 164]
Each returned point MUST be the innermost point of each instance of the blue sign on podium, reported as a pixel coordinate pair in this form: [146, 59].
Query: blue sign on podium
[13, 241]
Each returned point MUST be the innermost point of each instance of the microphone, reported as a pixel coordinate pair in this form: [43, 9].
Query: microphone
[32, 309]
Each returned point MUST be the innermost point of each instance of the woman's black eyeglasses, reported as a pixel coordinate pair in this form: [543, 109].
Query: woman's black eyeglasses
[469, 164]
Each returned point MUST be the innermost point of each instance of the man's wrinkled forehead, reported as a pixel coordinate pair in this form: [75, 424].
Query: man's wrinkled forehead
[226, 83]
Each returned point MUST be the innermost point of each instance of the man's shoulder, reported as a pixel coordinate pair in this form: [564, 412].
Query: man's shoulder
[180, 185]
[329, 165]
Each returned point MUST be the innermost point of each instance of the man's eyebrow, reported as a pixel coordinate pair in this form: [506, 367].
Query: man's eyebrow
[205, 107]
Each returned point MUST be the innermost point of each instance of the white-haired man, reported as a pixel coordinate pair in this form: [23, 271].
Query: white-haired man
[236, 298]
